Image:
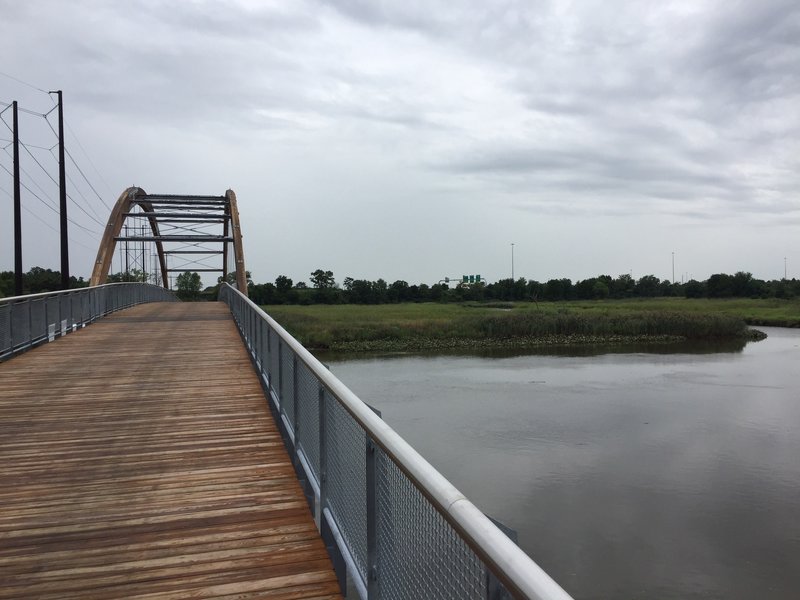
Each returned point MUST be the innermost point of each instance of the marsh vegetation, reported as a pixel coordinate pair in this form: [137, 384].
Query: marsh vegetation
[432, 326]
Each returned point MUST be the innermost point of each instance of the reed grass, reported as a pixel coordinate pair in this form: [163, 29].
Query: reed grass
[430, 326]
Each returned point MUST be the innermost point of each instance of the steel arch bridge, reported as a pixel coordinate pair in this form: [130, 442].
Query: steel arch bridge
[197, 227]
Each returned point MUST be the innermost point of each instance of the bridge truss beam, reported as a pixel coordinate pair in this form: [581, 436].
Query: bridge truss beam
[176, 219]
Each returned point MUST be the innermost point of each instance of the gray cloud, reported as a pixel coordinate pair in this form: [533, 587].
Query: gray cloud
[513, 117]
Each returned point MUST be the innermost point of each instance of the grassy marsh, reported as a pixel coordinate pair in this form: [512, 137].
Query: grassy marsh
[431, 326]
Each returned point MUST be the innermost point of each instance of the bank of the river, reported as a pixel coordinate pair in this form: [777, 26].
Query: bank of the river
[428, 326]
[668, 476]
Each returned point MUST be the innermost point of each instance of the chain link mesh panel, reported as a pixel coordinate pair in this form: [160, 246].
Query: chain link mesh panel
[420, 556]
[38, 320]
[272, 359]
[5, 328]
[347, 480]
[25, 322]
[74, 309]
[20, 325]
[308, 416]
[54, 312]
[66, 312]
[287, 383]
[86, 307]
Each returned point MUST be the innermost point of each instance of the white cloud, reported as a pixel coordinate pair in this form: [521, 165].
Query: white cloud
[416, 140]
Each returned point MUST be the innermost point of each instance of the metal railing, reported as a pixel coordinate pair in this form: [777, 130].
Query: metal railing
[26, 321]
[392, 522]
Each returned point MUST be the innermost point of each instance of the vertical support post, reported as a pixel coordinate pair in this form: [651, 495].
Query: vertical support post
[323, 458]
[279, 391]
[30, 322]
[372, 455]
[62, 188]
[17, 208]
[269, 358]
[296, 422]
[259, 333]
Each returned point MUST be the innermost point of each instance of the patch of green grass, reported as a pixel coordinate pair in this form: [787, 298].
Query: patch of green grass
[430, 325]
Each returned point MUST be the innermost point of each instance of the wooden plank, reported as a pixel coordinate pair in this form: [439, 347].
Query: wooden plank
[139, 460]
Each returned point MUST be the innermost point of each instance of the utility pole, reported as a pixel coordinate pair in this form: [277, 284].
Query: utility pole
[62, 187]
[17, 208]
[512, 262]
[784, 268]
[673, 267]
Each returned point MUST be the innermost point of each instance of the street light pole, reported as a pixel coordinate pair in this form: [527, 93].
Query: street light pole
[673, 267]
[512, 262]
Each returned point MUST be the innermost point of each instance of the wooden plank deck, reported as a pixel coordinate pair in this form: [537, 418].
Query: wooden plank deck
[138, 459]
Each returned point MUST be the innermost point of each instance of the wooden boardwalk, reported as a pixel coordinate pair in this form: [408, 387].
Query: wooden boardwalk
[138, 459]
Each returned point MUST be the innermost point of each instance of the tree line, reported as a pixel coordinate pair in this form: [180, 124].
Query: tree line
[36, 281]
[325, 290]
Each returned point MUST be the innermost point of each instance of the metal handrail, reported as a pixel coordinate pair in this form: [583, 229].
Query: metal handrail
[77, 290]
[29, 320]
[516, 570]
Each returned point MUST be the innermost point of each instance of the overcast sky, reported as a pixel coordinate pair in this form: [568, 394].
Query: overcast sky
[418, 140]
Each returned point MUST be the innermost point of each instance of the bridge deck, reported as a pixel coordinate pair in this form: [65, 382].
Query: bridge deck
[138, 460]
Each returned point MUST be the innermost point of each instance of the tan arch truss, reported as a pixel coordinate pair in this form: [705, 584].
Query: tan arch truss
[181, 225]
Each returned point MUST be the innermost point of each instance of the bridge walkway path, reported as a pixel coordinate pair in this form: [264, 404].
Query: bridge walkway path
[138, 459]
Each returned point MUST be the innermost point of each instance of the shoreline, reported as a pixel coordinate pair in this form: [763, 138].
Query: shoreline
[422, 344]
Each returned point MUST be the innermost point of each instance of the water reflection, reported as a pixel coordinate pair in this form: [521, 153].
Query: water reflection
[627, 475]
[685, 347]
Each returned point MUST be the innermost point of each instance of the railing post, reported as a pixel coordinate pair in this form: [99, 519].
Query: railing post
[268, 370]
[279, 391]
[262, 349]
[30, 323]
[11, 327]
[257, 345]
[295, 415]
[323, 459]
[373, 591]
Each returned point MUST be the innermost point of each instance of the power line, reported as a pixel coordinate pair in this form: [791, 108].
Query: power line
[25, 110]
[75, 163]
[96, 220]
[24, 145]
[18, 80]
[35, 195]
[86, 179]
[36, 183]
[43, 222]
[46, 172]
[99, 219]
[78, 141]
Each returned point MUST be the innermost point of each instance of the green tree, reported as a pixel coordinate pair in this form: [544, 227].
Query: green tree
[647, 286]
[719, 285]
[188, 284]
[285, 294]
[323, 279]
[283, 284]
[694, 289]
[600, 290]
[134, 275]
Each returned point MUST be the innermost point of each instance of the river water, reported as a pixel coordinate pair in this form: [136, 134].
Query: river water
[627, 474]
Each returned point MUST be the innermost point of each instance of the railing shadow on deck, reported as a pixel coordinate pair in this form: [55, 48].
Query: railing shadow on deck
[392, 523]
[27, 321]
